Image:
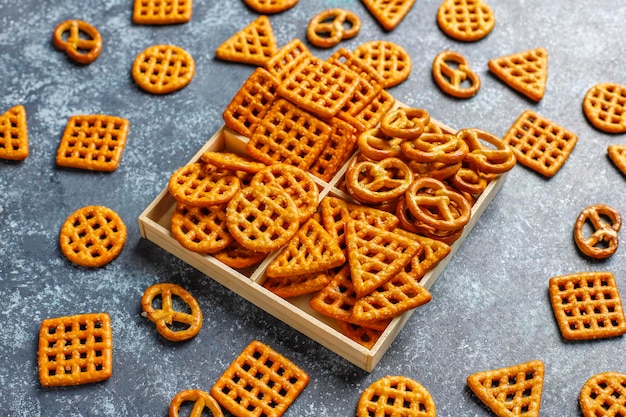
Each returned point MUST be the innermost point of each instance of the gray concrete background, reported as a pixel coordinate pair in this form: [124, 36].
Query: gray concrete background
[490, 307]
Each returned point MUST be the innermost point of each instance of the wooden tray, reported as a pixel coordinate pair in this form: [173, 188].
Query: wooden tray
[154, 225]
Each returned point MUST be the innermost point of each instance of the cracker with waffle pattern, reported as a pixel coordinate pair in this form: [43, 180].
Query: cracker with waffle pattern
[396, 395]
[294, 286]
[617, 153]
[260, 381]
[539, 143]
[587, 305]
[251, 102]
[465, 20]
[93, 142]
[254, 44]
[201, 229]
[390, 60]
[604, 395]
[75, 350]
[288, 134]
[512, 391]
[389, 13]
[605, 107]
[162, 12]
[92, 236]
[286, 59]
[525, 72]
[270, 6]
[14, 134]
[163, 69]
[199, 184]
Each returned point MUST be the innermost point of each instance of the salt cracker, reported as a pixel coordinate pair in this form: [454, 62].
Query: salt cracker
[375, 255]
[389, 13]
[604, 395]
[201, 229]
[319, 87]
[251, 102]
[254, 44]
[296, 182]
[93, 142]
[162, 12]
[270, 6]
[364, 336]
[465, 20]
[389, 59]
[396, 395]
[14, 134]
[294, 286]
[525, 72]
[262, 218]
[79, 40]
[617, 153]
[260, 381]
[349, 60]
[311, 250]
[163, 69]
[288, 134]
[198, 184]
[287, 58]
[92, 236]
[539, 143]
[512, 391]
[433, 252]
[605, 107]
[165, 315]
[396, 296]
[587, 305]
[338, 298]
[237, 256]
[75, 350]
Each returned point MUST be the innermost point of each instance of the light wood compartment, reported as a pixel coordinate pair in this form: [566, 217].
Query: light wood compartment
[154, 225]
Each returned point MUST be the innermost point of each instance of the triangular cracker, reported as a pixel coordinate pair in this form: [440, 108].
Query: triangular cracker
[312, 249]
[376, 255]
[617, 153]
[254, 44]
[14, 134]
[389, 13]
[433, 252]
[525, 72]
[512, 391]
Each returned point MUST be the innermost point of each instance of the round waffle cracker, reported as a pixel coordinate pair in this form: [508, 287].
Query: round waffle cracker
[604, 395]
[201, 229]
[92, 236]
[201, 185]
[390, 60]
[295, 182]
[605, 107]
[396, 396]
[270, 6]
[262, 218]
[465, 20]
[163, 69]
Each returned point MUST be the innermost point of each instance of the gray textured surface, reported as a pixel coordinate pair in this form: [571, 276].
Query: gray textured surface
[490, 306]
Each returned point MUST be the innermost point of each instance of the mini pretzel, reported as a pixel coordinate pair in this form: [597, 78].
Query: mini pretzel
[434, 147]
[604, 233]
[79, 49]
[374, 144]
[166, 315]
[495, 159]
[432, 203]
[469, 180]
[451, 78]
[201, 401]
[405, 123]
[327, 28]
[377, 182]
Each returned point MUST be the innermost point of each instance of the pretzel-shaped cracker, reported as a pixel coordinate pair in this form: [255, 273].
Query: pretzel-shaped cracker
[374, 144]
[327, 28]
[166, 315]
[377, 182]
[200, 399]
[451, 70]
[603, 231]
[433, 204]
[495, 159]
[84, 51]
[469, 180]
[405, 123]
[435, 147]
